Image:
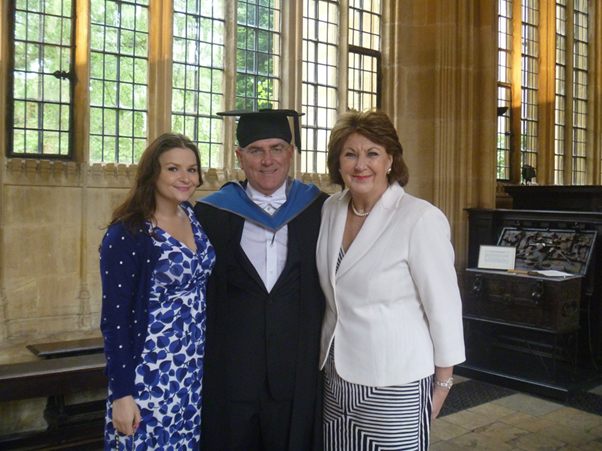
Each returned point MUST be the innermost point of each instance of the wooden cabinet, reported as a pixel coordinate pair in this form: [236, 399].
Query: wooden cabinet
[530, 332]
[550, 304]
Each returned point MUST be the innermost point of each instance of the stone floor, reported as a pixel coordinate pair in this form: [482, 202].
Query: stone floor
[479, 416]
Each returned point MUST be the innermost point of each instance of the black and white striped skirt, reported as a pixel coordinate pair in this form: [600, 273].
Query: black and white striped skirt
[362, 418]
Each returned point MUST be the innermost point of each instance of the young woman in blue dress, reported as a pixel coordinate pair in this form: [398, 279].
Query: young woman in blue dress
[155, 260]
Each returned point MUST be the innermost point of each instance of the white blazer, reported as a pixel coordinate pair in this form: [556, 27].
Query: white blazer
[394, 305]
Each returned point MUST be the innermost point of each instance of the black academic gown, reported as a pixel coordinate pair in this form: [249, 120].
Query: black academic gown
[253, 336]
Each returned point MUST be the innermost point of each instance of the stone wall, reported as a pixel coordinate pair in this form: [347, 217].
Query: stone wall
[54, 216]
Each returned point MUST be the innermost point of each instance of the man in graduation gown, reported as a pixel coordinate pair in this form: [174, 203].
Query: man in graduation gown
[261, 384]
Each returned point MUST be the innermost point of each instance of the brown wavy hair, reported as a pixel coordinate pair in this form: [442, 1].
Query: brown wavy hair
[374, 125]
[140, 204]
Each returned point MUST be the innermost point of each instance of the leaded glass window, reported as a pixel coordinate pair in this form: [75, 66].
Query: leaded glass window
[530, 83]
[118, 81]
[40, 104]
[580, 102]
[198, 59]
[320, 81]
[504, 123]
[560, 94]
[364, 54]
[258, 56]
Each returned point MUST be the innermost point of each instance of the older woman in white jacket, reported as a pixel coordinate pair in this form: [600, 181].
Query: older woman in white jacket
[392, 331]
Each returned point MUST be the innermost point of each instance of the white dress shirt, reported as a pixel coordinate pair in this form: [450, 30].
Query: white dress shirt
[265, 249]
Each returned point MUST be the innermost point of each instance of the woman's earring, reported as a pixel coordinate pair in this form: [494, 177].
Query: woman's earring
[389, 170]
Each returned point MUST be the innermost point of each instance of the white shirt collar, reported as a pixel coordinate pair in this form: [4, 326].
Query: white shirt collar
[275, 200]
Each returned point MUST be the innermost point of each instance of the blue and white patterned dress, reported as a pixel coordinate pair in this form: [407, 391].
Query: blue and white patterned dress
[169, 375]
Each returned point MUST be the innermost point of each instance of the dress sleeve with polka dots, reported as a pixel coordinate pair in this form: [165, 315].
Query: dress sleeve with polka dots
[121, 267]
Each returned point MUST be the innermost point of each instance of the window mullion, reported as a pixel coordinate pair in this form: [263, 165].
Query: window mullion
[229, 83]
[516, 74]
[159, 69]
[569, 145]
[81, 97]
[343, 59]
[5, 56]
[580, 104]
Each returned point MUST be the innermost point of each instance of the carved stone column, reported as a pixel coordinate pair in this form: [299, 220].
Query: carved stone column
[466, 111]
[3, 302]
[440, 89]
[84, 321]
[4, 51]
[159, 69]
[595, 62]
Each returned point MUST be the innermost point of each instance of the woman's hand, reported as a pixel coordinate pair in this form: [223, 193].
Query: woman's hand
[442, 374]
[126, 415]
[439, 396]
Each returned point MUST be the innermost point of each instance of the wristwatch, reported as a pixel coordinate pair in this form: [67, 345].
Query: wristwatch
[447, 384]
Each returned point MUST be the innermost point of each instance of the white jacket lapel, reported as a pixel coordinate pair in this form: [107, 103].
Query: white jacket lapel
[336, 230]
[374, 226]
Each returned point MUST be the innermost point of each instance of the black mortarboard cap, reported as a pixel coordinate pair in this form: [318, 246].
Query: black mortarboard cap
[265, 124]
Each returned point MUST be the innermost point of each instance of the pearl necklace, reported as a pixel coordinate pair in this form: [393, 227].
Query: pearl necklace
[357, 213]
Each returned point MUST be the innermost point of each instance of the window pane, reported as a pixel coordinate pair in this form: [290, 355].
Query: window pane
[363, 81]
[42, 74]
[560, 97]
[529, 82]
[504, 133]
[198, 49]
[364, 55]
[580, 86]
[118, 91]
[320, 75]
[504, 123]
[258, 55]
[364, 24]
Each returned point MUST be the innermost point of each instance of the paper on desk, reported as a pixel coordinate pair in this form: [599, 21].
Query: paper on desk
[553, 273]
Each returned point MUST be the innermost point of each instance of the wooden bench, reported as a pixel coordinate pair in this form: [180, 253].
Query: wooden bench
[55, 378]
[68, 348]
[61, 376]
